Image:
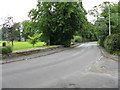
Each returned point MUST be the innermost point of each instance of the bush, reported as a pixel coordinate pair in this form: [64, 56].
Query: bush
[101, 41]
[4, 44]
[112, 43]
[10, 49]
[34, 39]
[67, 43]
[5, 50]
[77, 39]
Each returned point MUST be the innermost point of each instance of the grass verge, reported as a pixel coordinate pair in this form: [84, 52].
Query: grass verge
[26, 45]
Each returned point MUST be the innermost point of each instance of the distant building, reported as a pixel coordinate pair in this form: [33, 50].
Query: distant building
[22, 39]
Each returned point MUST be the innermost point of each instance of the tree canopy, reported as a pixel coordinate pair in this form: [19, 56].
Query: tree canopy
[58, 21]
[10, 30]
[102, 22]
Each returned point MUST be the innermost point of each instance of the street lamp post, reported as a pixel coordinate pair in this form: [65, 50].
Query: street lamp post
[109, 20]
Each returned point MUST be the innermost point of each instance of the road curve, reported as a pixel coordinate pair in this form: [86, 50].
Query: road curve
[61, 70]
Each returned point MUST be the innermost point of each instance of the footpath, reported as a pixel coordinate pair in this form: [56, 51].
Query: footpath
[32, 53]
[109, 56]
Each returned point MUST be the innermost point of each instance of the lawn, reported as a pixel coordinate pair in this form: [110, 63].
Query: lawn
[26, 45]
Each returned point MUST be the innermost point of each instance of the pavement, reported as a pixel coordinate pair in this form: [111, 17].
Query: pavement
[105, 54]
[80, 67]
[38, 52]
[31, 56]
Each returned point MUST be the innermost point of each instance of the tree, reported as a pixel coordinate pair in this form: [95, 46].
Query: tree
[29, 28]
[35, 38]
[58, 21]
[10, 30]
[19, 31]
[102, 22]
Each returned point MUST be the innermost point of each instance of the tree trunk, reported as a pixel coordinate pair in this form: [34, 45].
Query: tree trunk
[12, 43]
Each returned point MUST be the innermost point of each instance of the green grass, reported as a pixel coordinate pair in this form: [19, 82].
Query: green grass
[26, 45]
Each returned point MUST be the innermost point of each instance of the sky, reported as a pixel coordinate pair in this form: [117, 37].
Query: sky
[19, 9]
[89, 4]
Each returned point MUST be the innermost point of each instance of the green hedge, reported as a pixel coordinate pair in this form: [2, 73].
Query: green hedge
[5, 50]
[112, 43]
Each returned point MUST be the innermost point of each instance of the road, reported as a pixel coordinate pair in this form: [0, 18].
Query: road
[66, 69]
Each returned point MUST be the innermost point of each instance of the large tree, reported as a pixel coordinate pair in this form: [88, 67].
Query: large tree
[58, 21]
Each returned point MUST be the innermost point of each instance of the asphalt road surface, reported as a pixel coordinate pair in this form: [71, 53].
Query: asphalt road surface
[66, 69]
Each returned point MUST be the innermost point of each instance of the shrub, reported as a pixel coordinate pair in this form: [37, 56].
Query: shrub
[34, 39]
[112, 43]
[77, 39]
[9, 49]
[101, 41]
[5, 50]
[4, 44]
[67, 43]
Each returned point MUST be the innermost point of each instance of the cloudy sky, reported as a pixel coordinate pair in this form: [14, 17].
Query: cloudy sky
[19, 9]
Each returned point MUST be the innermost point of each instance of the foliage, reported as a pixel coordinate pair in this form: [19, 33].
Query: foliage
[10, 30]
[29, 28]
[5, 50]
[102, 22]
[67, 43]
[34, 39]
[113, 17]
[10, 49]
[102, 31]
[89, 33]
[58, 21]
[77, 39]
[112, 43]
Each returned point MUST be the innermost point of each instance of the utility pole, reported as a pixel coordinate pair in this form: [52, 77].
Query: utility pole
[109, 20]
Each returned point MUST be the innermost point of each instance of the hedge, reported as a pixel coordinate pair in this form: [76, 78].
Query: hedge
[112, 43]
[6, 50]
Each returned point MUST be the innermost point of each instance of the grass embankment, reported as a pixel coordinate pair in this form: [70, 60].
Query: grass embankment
[26, 45]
